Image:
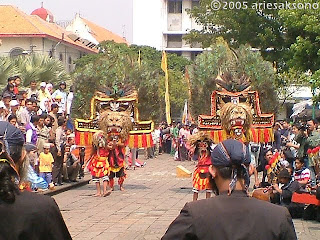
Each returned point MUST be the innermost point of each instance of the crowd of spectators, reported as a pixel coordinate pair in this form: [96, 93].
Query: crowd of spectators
[173, 139]
[297, 171]
[43, 115]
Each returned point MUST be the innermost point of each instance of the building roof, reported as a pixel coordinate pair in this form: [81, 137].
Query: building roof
[102, 34]
[15, 23]
[43, 13]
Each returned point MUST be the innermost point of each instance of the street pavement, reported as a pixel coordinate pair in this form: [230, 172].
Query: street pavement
[152, 199]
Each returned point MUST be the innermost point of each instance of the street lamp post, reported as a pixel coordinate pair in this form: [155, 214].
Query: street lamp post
[314, 102]
[312, 82]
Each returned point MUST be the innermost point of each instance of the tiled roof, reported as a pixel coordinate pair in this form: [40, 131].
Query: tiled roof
[102, 34]
[15, 23]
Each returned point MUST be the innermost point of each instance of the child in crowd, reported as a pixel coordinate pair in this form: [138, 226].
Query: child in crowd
[45, 163]
[301, 173]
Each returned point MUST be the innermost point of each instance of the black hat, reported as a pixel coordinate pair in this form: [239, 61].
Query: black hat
[284, 173]
[230, 152]
[63, 83]
[234, 154]
[11, 134]
[30, 147]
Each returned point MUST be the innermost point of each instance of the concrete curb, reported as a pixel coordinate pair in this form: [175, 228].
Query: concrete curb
[67, 186]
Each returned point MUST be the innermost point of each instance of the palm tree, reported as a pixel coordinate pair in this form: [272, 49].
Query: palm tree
[41, 68]
[7, 69]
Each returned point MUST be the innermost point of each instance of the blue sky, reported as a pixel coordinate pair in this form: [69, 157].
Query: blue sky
[115, 15]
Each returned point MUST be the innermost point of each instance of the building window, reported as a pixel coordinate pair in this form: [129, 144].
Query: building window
[70, 60]
[175, 6]
[174, 41]
[15, 52]
[61, 57]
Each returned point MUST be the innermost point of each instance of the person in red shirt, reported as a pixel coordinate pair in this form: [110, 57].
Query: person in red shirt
[16, 84]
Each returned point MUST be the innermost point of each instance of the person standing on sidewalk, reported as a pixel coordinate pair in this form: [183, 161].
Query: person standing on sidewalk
[232, 214]
[45, 163]
[59, 152]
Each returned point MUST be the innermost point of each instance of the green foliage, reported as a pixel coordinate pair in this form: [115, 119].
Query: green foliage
[7, 69]
[289, 37]
[117, 64]
[303, 36]
[241, 60]
[33, 67]
[247, 25]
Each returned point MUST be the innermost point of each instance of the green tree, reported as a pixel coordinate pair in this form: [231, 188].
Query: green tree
[245, 24]
[303, 36]
[7, 69]
[117, 64]
[237, 61]
[40, 68]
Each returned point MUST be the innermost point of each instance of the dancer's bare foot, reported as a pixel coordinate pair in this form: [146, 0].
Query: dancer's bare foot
[112, 189]
[106, 193]
[97, 195]
[121, 188]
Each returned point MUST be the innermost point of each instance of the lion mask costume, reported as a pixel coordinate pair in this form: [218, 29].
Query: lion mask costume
[236, 120]
[116, 124]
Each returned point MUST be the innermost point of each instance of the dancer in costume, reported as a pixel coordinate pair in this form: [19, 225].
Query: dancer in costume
[201, 143]
[99, 165]
[116, 127]
[116, 153]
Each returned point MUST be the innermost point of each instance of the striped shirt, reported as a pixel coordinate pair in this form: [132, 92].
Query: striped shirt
[302, 174]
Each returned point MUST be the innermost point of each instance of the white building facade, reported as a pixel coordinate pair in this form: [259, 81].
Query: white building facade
[163, 24]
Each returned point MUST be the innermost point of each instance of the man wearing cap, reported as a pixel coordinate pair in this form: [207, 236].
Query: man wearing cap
[231, 214]
[61, 92]
[6, 100]
[44, 93]
[58, 100]
[14, 106]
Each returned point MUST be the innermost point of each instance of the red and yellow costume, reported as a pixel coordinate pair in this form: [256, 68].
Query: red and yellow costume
[201, 174]
[99, 166]
[201, 143]
[115, 156]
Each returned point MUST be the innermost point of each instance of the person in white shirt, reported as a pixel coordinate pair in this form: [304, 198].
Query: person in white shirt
[156, 140]
[69, 101]
[44, 93]
[61, 92]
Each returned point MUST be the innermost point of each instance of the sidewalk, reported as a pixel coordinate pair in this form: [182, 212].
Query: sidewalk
[67, 186]
[152, 199]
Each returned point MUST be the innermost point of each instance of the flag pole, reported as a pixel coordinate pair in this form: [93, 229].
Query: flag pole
[164, 67]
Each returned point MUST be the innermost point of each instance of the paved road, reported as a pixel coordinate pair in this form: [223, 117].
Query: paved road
[152, 199]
